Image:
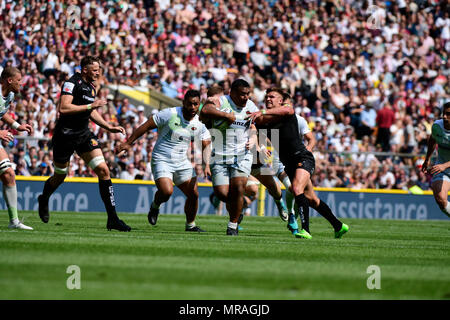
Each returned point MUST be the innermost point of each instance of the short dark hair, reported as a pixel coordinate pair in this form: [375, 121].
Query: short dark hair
[286, 96]
[278, 90]
[239, 83]
[214, 90]
[89, 60]
[445, 106]
[191, 94]
[9, 72]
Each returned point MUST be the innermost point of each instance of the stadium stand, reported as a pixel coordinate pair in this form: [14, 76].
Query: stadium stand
[364, 89]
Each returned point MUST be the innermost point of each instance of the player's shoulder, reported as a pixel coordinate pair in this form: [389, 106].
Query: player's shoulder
[70, 84]
[168, 112]
[6, 101]
[225, 103]
[438, 126]
[199, 123]
[75, 79]
[301, 120]
[164, 114]
[223, 99]
[251, 105]
[10, 96]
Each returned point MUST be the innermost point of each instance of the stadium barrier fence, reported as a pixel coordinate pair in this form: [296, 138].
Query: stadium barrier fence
[82, 195]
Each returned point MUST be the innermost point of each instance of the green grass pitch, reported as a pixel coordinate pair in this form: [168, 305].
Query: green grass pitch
[264, 262]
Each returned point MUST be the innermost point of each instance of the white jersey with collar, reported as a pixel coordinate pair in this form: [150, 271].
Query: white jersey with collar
[175, 134]
[229, 143]
[5, 103]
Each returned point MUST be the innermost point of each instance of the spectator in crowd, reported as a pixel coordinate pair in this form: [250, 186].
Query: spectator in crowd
[129, 173]
[325, 53]
[385, 119]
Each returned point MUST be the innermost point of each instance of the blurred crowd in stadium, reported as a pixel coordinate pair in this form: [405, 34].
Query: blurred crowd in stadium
[368, 76]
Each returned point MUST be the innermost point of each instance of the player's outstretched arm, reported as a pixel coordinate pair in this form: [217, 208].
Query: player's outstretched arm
[311, 141]
[271, 115]
[430, 149]
[438, 168]
[6, 136]
[139, 132]
[210, 112]
[66, 106]
[17, 126]
[98, 119]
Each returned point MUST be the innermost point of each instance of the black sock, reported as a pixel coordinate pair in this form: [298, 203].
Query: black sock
[326, 212]
[48, 190]
[107, 194]
[303, 207]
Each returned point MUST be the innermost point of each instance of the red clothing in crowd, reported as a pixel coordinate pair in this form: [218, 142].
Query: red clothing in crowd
[385, 117]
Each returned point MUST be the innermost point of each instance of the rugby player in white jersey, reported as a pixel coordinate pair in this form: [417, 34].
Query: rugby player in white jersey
[10, 84]
[255, 178]
[231, 158]
[170, 163]
[440, 183]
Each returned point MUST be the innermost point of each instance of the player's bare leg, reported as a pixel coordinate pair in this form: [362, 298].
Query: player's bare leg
[219, 197]
[235, 202]
[321, 207]
[440, 192]
[275, 191]
[164, 188]
[96, 162]
[250, 195]
[8, 178]
[190, 190]
[299, 184]
[50, 187]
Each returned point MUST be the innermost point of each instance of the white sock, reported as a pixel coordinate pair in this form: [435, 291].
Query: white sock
[190, 225]
[286, 182]
[290, 199]
[248, 211]
[447, 209]
[232, 225]
[10, 196]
